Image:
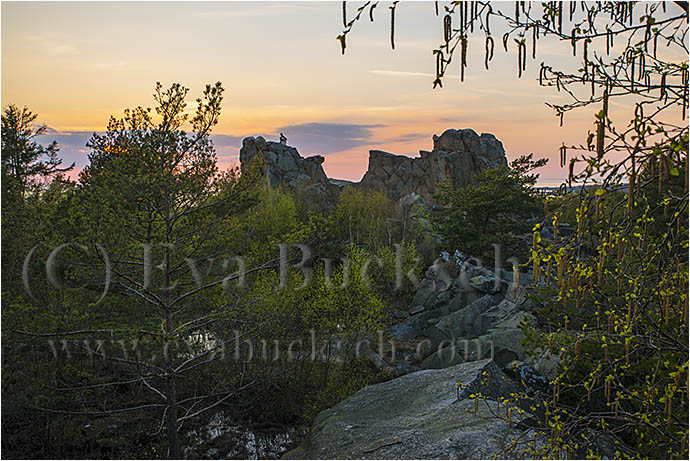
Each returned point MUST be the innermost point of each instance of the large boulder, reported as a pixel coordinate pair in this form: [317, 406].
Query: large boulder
[456, 156]
[485, 147]
[283, 164]
[469, 321]
[417, 416]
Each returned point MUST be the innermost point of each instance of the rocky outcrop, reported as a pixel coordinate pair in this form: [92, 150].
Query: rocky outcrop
[424, 415]
[448, 413]
[283, 164]
[461, 337]
[457, 155]
[463, 311]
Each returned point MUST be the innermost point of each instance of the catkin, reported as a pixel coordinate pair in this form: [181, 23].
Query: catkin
[548, 270]
[522, 57]
[661, 176]
[463, 58]
[392, 8]
[609, 36]
[447, 32]
[631, 185]
[535, 28]
[632, 72]
[600, 270]
[610, 323]
[667, 302]
[489, 48]
[573, 41]
[535, 247]
[607, 390]
[641, 69]
[669, 407]
[601, 125]
[589, 390]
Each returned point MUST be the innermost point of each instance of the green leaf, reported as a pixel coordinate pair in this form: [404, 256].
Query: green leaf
[674, 171]
[600, 192]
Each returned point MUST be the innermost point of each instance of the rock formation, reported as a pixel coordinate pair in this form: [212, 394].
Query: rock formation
[456, 156]
[463, 311]
[460, 336]
[284, 165]
[417, 416]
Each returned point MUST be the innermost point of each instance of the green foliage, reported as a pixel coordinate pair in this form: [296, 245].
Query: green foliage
[361, 218]
[614, 307]
[149, 182]
[495, 208]
[24, 161]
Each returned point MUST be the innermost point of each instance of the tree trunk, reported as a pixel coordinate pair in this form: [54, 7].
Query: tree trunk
[171, 394]
[171, 417]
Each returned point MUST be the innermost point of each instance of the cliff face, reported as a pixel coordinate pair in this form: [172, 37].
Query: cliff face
[456, 156]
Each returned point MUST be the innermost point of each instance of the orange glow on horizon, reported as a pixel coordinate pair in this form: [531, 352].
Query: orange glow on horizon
[94, 62]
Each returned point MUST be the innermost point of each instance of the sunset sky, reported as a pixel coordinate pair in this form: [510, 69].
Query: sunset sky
[75, 64]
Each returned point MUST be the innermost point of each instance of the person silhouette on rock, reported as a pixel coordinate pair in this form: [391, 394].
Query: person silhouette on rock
[283, 139]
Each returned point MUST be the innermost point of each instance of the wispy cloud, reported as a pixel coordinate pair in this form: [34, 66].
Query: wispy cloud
[72, 145]
[53, 45]
[327, 138]
[309, 138]
[400, 73]
[268, 9]
[227, 147]
[110, 65]
[406, 137]
[401, 44]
